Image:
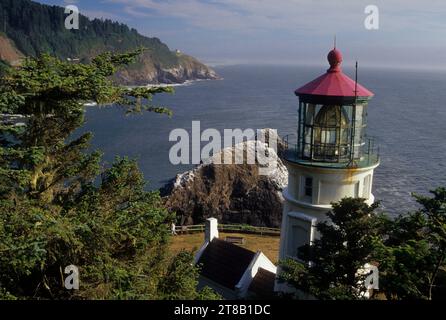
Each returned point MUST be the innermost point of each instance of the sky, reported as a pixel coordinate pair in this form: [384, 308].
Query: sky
[411, 33]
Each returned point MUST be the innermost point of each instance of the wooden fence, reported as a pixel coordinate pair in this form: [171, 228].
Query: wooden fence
[239, 228]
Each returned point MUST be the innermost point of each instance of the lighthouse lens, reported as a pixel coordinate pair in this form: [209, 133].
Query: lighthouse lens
[330, 133]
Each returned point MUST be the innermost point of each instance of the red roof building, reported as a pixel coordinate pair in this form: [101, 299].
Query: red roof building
[334, 83]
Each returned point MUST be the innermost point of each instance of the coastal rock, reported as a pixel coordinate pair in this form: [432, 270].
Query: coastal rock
[188, 68]
[147, 71]
[233, 193]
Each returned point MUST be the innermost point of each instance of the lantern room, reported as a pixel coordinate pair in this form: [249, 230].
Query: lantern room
[332, 119]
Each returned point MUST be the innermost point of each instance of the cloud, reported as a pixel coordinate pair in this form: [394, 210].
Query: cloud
[196, 13]
[411, 31]
[305, 15]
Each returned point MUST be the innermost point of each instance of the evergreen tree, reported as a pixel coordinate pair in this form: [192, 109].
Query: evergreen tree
[59, 207]
[412, 255]
[181, 280]
[345, 245]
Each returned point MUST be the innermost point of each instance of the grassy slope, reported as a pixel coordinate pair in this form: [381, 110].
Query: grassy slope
[269, 245]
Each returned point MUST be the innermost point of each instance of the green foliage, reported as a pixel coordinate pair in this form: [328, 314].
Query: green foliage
[4, 66]
[58, 206]
[208, 294]
[410, 251]
[180, 281]
[412, 255]
[346, 244]
[37, 28]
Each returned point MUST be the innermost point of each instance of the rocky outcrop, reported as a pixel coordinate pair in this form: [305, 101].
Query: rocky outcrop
[146, 71]
[8, 51]
[188, 68]
[232, 193]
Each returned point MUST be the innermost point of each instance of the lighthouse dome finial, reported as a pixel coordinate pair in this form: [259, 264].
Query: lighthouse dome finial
[334, 59]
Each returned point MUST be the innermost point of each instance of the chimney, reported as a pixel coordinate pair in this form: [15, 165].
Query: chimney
[211, 230]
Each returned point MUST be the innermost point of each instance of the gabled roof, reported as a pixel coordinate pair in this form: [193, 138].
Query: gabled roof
[262, 286]
[334, 83]
[224, 262]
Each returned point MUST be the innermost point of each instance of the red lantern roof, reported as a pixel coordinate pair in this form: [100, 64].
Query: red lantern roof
[334, 82]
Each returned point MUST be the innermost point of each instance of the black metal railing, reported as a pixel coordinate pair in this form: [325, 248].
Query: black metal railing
[366, 155]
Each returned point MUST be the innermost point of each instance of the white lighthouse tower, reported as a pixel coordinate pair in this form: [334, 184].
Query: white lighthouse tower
[332, 157]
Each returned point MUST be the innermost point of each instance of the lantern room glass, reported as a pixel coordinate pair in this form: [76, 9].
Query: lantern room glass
[331, 133]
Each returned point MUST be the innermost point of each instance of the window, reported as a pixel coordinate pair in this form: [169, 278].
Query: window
[366, 187]
[330, 132]
[356, 194]
[308, 189]
[299, 233]
[299, 237]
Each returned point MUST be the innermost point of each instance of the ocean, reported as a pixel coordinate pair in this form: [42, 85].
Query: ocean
[407, 117]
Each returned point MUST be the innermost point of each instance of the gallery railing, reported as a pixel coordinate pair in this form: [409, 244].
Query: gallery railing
[368, 154]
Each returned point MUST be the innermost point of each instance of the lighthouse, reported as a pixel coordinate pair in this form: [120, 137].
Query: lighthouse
[331, 157]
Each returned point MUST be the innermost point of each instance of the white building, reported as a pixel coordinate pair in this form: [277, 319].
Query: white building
[233, 271]
[331, 159]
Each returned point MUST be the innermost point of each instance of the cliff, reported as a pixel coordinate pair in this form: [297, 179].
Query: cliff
[29, 28]
[232, 193]
[146, 71]
[8, 51]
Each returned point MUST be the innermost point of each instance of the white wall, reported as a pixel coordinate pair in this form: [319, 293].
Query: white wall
[329, 185]
[259, 261]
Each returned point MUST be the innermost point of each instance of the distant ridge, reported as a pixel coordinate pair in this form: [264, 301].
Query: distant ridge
[28, 28]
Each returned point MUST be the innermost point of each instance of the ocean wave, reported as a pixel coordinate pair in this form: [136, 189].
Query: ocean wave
[163, 85]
